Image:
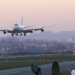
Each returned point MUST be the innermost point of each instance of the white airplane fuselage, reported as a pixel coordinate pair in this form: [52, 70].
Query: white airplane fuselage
[18, 27]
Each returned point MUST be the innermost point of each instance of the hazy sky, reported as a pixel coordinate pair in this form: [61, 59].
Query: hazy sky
[38, 13]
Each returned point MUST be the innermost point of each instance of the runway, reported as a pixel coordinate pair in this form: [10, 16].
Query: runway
[46, 69]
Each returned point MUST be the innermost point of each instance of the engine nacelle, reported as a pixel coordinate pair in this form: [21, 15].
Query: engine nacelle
[4, 31]
[42, 30]
[31, 31]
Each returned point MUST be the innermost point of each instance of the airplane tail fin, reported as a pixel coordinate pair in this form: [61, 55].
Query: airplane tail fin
[22, 21]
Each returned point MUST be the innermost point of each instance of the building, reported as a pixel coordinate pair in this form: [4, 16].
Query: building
[73, 46]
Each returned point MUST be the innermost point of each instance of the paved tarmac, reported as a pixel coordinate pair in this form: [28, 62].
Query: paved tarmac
[46, 69]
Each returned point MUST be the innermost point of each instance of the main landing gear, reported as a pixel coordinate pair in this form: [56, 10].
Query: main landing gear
[12, 34]
[24, 34]
[17, 34]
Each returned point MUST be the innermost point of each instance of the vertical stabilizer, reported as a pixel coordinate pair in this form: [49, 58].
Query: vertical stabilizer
[22, 21]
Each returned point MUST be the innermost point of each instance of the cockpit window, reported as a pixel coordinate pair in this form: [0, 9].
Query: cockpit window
[16, 24]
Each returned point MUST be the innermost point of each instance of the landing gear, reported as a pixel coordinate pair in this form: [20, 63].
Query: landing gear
[21, 34]
[12, 34]
[24, 34]
[16, 34]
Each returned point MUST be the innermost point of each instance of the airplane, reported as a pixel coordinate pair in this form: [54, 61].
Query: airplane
[18, 28]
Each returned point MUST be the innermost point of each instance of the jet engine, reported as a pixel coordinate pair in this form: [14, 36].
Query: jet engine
[31, 31]
[24, 34]
[39, 29]
[42, 30]
[4, 31]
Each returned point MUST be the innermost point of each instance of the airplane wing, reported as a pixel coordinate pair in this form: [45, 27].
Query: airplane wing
[49, 26]
[42, 28]
[27, 26]
[11, 31]
[2, 30]
[5, 31]
[28, 31]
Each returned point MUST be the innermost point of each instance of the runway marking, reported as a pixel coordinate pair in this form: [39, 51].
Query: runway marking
[16, 72]
[11, 73]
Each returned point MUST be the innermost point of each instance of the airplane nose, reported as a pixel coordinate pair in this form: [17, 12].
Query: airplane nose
[15, 25]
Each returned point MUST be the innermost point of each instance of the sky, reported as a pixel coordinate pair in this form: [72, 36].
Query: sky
[39, 13]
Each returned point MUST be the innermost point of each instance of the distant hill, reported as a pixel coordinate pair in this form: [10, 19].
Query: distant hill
[49, 35]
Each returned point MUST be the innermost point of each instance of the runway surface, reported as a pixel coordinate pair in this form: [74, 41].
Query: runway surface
[46, 69]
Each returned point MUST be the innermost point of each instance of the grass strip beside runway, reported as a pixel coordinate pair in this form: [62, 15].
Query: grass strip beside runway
[8, 65]
[66, 73]
[16, 62]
